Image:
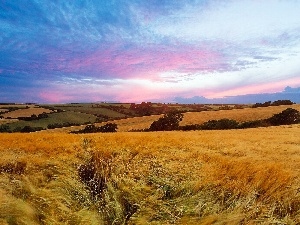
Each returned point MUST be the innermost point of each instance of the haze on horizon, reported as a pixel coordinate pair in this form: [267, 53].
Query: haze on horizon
[140, 50]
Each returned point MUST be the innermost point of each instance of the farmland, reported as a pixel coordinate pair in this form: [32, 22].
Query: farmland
[245, 176]
[201, 177]
[241, 115]
[127, 116]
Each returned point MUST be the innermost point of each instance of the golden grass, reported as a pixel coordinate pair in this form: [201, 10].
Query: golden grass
[203, 177]
[240, 115]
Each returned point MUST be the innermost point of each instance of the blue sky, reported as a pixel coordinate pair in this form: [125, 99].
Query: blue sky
[138, 50]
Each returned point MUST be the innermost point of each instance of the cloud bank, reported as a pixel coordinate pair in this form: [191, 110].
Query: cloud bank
[288, 93]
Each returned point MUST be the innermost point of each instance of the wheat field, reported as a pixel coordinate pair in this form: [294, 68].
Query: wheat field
[240, 115]
[247, 176]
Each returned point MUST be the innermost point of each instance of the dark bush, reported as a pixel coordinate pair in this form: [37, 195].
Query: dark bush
[266, 104]
[109, 127]
[275, 103]
[60, 125]
[282, 102]
[4, 128]
[27, 129]
[190, 127]
[253, 124]
[91, 128]
[168, 122]
[222, 124]
[287, 116]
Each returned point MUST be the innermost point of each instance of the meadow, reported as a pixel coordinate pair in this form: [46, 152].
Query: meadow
[249, 176]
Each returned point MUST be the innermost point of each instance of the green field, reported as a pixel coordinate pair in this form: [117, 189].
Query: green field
[93, 111]
[59, 118]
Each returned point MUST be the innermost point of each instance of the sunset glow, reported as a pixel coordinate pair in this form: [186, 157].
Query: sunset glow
[133, 51]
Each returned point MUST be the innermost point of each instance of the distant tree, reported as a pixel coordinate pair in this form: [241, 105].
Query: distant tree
[275, 103]
[170, 121]
[282, 102]
[266, 104]
[287, 116]
[143, 109]
[26, 129]
[90, 129]
[43, 115]
[109, 127]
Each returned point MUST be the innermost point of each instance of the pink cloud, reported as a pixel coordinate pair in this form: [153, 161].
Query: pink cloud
[144, 62]
[55, 96]
[271, 87]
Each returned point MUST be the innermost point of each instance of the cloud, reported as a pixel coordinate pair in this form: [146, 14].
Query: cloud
[231, 20]
[288, 93]
[147, 61]
[289, 90]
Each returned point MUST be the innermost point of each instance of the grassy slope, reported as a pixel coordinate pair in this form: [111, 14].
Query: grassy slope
[62, 117]
[240, 115]
[204, 177]
[92, 110]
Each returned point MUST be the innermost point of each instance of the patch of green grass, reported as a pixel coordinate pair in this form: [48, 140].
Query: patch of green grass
[61, 117]
[90, 109]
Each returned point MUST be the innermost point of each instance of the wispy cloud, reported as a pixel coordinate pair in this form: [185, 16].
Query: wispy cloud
[162, 48]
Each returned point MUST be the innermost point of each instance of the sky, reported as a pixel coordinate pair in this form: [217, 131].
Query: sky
[62, 51]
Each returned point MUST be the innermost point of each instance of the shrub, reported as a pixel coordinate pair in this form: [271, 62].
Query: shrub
[287, 116]
[60, 125]
[266, 104]
[222, 124]
[28, 129]
[109, 127]
[282, 102]
[190, 127]
[4, 128]
[275, 103]
[91, 128]
[253, 124]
